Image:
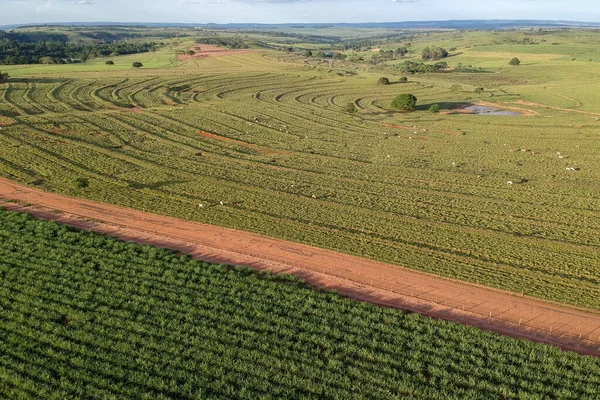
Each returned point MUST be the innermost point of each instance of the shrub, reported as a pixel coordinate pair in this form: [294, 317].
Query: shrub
[349, 107]
[190, 52]
[110, 63]
[3, 76]
[403, 79]
[137, 64]
[479, 90]
[515, 61]
[383, 81]
[81, 183]
[406, 102]
[434, 109]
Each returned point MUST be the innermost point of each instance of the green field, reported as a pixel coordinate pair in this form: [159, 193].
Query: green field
[84, 316]
[432, 196]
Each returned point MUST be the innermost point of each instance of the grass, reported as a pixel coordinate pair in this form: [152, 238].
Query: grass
[432, 198]
[86, 316]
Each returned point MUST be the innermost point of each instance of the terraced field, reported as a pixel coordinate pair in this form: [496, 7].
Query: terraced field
[265, 146]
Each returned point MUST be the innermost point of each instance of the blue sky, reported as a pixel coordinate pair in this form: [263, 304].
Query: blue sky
[281, 11]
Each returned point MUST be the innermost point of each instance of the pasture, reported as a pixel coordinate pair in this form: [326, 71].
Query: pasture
[266, 134]
[85, 316]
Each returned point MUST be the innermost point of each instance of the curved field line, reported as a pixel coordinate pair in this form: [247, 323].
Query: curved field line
[362, 279]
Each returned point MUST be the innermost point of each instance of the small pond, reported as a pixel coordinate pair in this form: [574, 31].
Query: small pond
[486, 110]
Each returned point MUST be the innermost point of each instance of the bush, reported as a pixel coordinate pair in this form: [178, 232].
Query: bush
[81, 183]
[383, 81]
[406, 102]
[515, 61]
[110, 63]
[403, 79]
[190, 52]
[137, 64]
[479, 90]
[435, 109]
[3, 76]
[349, 107]
[308, 53]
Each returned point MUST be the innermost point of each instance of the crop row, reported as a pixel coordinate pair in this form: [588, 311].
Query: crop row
[85, 316]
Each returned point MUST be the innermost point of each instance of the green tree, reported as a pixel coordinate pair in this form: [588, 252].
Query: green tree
[110, 62]
[81, 183]
[190, 52]
[433, 53]
[308, 53]
[349, 107]
[137, 64]
[435, 109]
[3, 76]
[515, 61]
[479, 90]
[383, 81]
[403, 79]
[405, 102]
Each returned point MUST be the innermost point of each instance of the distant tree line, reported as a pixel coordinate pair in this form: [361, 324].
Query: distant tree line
[325, 54]
[388, 55]
[225, 41]
[16, 52]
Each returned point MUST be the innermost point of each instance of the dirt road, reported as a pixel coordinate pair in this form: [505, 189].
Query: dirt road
[362, 279]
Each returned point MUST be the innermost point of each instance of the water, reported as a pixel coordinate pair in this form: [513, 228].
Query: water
[486, 110]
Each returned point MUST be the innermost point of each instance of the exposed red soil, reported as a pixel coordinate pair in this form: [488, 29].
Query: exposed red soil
[208, 50]
[362, 279]
[259, 149]
[4, 121]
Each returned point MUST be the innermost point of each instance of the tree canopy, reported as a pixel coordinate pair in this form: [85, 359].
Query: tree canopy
[16, 52]
[3, 76]
[406, 102]
[433, 53]
[137, 64]
[383, 81]
[515, 61]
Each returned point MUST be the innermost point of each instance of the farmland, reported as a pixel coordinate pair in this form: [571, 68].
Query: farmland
[266, 134]
[86, 316]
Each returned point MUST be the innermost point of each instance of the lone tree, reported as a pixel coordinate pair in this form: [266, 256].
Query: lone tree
[110, 62]
[405, 102]
[190, 52]
[435, 109]
[383, 81]
[349, 108]
[479, 90]
[137, 64]
[308, 53]
[3, 76]
[433, 53]
[515, 61]
[403, 79]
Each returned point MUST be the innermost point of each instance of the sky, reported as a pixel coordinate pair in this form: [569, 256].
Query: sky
[284, 11]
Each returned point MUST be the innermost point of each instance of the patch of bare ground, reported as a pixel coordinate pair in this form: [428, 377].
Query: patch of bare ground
[209, 50]
[362, 279]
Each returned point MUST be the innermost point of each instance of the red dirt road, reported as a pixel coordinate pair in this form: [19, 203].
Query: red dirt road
[362, 279]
